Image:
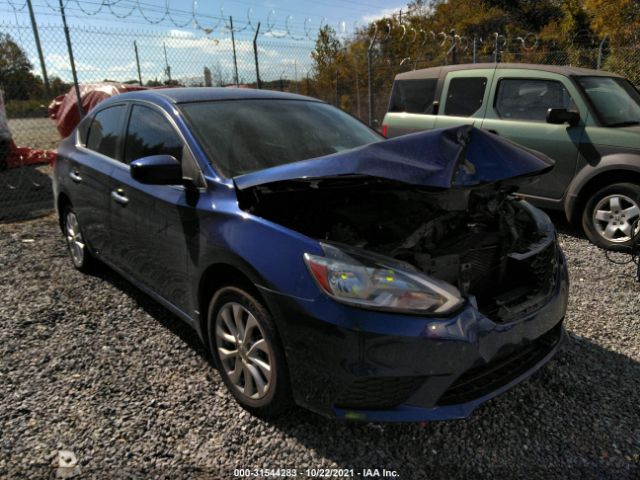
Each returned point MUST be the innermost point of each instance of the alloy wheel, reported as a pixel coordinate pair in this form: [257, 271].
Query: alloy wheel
[74, 239]
[614, 216]
[244, 351]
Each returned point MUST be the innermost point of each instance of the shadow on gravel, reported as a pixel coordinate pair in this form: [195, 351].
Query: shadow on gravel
[563, 226]
[164, 316]
[25, 193]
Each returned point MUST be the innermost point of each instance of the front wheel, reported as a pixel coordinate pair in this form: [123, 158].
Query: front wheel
[610, 215]
[247, 352]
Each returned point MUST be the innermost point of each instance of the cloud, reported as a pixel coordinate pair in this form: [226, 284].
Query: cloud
[385, 12]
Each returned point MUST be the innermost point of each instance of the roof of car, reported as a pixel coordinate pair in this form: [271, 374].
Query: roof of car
[435, 72]
[203, 94]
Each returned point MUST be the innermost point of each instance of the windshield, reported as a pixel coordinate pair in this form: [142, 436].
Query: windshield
[242, 136]
[616, 101]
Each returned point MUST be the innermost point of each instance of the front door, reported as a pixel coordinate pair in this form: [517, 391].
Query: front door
[518, 112]
[149, 222]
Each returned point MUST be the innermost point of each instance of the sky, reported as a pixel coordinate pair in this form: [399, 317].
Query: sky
[103, 33]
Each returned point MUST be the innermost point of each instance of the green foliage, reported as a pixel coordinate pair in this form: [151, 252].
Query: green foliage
[16, 79]
[26, 108]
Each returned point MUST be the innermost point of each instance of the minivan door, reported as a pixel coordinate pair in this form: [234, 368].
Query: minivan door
[464, 98]
[518, 112]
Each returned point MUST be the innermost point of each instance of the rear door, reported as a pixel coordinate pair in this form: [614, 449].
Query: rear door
[464, 98]
[149, 222]
[90, 170]
[520, 100]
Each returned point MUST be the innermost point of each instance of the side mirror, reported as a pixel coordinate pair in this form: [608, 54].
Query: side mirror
[558, 116]
[157, 170]
[435, 107]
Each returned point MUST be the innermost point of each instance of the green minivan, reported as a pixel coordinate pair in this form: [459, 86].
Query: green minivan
[588, 121]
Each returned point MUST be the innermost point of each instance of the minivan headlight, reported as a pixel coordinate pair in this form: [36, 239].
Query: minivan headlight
[373, 281]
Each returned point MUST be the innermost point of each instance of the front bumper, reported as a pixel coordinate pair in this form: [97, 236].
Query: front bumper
[356, 364]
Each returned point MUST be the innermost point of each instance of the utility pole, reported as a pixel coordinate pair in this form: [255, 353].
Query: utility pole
[135, 47]
[235, 60]
[67, 37]
[255, 56]
[36, 36]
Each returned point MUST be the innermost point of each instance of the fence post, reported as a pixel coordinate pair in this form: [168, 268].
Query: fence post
[369, 90]
[475, 47]
[600, 50]
[235, 60]
[255, 56]
[167, 67]
[135, 48]
[454, 47]
[496, 47]
[355, 67]
[67, 37]
[36, 36]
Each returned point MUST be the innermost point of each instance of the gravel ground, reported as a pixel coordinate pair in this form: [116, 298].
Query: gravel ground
[34, 132]
[91, 365]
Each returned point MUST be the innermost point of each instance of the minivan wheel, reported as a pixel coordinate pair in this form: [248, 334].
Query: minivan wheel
[609, 216]
[78, 251]
[247, 352]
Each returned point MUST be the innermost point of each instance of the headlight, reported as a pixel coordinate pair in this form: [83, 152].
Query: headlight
[374, 281]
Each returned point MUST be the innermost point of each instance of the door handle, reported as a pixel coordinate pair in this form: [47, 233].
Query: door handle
[495, 132]
[75, 176]
[118, 196]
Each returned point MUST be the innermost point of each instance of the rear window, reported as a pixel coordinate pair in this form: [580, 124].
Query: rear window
[413, 96]
[465, 96]
[105, 132]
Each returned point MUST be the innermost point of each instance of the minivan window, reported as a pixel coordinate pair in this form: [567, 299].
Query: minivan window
[106, 130]
[150, 133]
[413, 96]
[530, 99]
[616, 101]
[241, 136]
[465, 96]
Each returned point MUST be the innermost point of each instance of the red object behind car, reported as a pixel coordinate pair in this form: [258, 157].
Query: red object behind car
[63, 110]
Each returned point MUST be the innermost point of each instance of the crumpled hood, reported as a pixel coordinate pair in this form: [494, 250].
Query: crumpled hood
[443, 158]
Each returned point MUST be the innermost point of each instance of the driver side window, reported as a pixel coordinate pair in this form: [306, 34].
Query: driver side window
[150, 133]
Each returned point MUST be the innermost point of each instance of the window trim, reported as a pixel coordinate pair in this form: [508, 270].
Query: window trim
[496, 90]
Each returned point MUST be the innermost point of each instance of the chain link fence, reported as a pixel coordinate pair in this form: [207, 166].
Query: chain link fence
[184, 54]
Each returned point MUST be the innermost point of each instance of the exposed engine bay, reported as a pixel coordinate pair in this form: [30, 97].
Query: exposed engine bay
[483, 240]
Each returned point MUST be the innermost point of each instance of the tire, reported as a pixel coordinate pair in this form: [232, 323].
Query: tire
[79, 253]
[609, 214]
[263, 392]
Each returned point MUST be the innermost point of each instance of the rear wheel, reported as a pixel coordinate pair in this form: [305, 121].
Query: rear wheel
[610, 214]
[78, 251]
[247, 351]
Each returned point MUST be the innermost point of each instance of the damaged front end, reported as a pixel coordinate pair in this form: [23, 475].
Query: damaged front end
[419, 223]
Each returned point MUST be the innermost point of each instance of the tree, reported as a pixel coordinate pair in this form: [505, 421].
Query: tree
[328, 57]
[16, 77]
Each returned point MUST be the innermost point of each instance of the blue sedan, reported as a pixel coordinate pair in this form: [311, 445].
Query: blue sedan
[322, 265]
